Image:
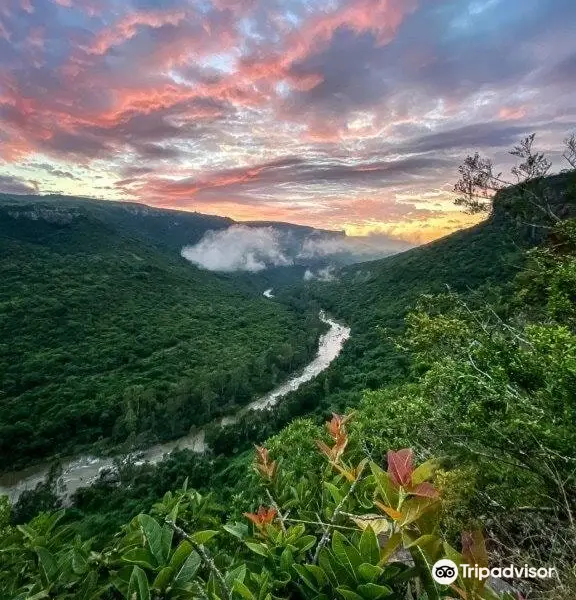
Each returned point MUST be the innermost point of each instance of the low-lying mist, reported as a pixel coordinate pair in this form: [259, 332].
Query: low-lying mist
[254, 249]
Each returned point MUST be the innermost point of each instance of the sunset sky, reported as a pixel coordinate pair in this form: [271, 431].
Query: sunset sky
[350, 114]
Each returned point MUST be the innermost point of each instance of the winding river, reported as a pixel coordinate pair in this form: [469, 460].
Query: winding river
[82, 471]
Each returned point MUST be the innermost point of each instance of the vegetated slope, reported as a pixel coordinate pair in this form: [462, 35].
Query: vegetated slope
[169, 228]
[380, 292]
[106, 337]
[374, 297]
[165, 227]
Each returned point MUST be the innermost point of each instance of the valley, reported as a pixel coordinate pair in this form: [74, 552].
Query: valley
[108, 340]
[448, 348]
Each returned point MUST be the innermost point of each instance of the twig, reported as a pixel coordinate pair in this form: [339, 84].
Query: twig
[363, 517]
[277, 508]
[335, 515]
[204, 555]
[557, 479]
[322, 524]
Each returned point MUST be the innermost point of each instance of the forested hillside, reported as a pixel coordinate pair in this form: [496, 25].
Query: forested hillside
[374, 297]
[105, 338]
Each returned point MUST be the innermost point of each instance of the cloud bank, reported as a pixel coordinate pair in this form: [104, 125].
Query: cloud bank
[253, 249]
[238, 248]
[325, 274]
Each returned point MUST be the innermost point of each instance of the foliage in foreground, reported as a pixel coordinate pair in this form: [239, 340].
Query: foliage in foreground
[360, 533]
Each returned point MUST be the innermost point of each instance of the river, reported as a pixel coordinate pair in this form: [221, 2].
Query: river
[82, 471]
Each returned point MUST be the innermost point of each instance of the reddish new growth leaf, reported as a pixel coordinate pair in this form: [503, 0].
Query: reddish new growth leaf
[337, 430]
[474, 548]
[263, 517]
[400, 470]
[400, 467]
[426, 490]
[336, 426]
[265, 466]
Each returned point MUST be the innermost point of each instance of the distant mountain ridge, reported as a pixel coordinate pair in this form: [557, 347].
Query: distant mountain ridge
[167, 227]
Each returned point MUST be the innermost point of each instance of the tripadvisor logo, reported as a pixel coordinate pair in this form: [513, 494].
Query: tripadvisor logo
[446, 571]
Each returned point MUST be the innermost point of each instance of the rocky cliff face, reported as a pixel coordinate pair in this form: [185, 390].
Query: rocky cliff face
[54, 215]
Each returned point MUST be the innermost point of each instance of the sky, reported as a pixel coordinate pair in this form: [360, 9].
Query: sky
[345, 114]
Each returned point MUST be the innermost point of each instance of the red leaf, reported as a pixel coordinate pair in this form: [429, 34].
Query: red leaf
[426, 490]
[264, 516]
[334, 426]
[400, 466]
[474, 548]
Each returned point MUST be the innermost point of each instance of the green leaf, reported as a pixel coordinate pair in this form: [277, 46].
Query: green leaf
[180, 554]
[334, 492]
[295, 532]
[154, 536]
[163, 579]
[188, 569]
[27, 531]
[318, 575]
[425, 471]
[140, 556]
[257, 548]
[286, 560]
[385, 487]
[238, 574]
[202, 537]
[48, 564]
[431, 544]
[369, 573]
[388, 550]
[138, 587]
[346, 554]
[79, 563]
[415, 507]
[238, 530]
[369, 548]
[327, 562]
[305, 543]
[306, 577]
[167, 537]
[424, 566]
[39, 596]
[348, 594]
[374, 592]
[241, 589]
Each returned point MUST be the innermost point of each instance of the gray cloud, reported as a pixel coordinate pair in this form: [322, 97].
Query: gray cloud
[13, 185]
[56, 171]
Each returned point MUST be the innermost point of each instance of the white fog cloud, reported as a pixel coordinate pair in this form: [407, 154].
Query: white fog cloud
[325, 274]
[368, 246]
[238, 248]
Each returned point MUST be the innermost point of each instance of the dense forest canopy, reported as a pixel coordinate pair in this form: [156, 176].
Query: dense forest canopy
[107, 338]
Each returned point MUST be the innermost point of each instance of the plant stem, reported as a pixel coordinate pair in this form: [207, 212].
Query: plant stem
[204, 556]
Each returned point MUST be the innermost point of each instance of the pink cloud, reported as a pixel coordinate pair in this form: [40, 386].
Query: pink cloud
[512, 113]
[127, 27]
